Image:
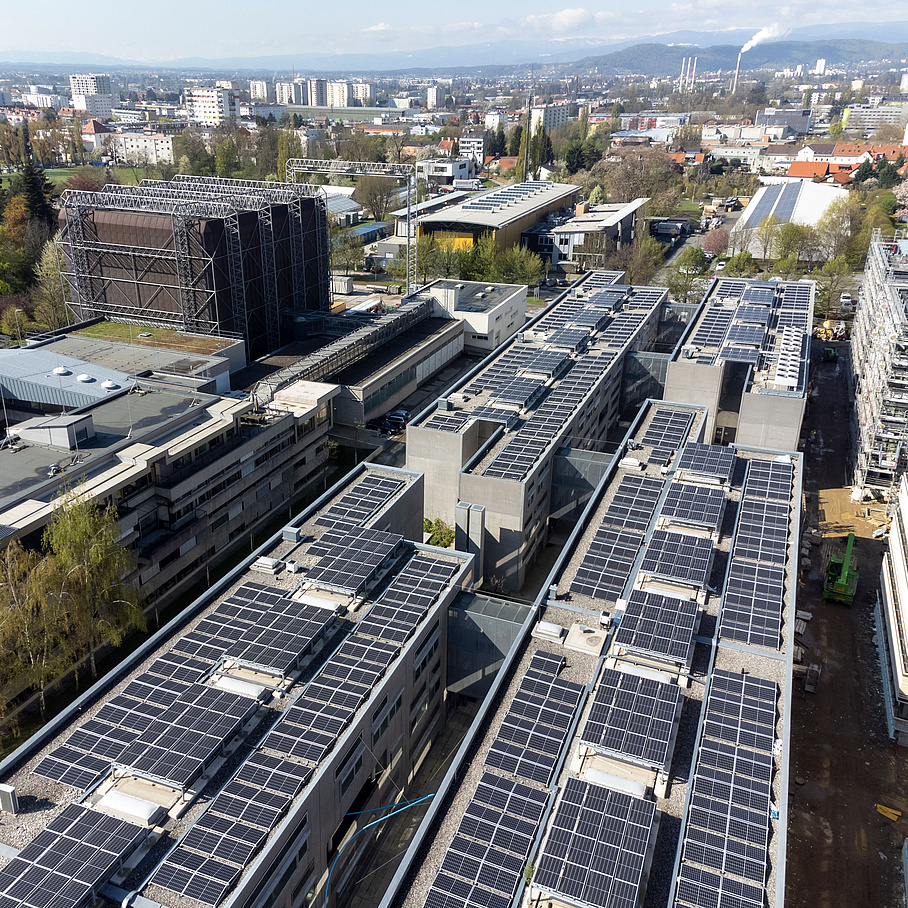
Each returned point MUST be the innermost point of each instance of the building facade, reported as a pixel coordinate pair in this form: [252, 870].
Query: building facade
[211, 106]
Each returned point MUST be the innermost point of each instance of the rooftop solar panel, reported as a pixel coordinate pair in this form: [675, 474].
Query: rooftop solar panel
[658, 626]
[706, 460]
[606, 567]
[678, 556]
[694, 505]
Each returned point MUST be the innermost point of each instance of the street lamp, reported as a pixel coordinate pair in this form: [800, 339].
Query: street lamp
[18, 327]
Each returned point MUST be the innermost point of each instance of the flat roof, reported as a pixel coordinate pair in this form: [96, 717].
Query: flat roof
[504, 205]
[152, 336]
[721, 673]
[204, 666]
[762, 325]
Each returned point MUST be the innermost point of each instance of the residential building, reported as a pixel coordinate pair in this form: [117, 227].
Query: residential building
[261, 90]
[339, 94]
[505, 213]
[603, 681]
[286, 93]
[363, 93]
[91, 84]
[879, 342]
[548, 116]
[444, 171]
[866, 119]
[586, 236]
[211, 106]
[141, 148]
[45, 99]
[496, 118]
[317, 92]
[434, 97]
[473, 144]
[200, 254]
[488, 450]
[745, 357]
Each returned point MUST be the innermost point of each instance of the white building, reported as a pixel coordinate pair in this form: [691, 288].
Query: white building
[433, 95]
[364, 93]
[339, 94]
[496, 118]
[548, 115]
[44, 99]
[90, 84]
[867, 118]
[317, 92]
[210, 106]
[472, 145]
[138, 148]
[289, 93]
[260, 90]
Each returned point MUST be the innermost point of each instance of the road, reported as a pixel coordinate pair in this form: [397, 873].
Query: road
[841, 852]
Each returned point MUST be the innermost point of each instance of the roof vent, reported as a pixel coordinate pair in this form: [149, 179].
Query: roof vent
[489, 289]
[61, 370]
[84, 377]
[109, 385]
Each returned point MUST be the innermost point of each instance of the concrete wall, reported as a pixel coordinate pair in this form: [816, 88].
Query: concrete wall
[689, 383]
[770, 421]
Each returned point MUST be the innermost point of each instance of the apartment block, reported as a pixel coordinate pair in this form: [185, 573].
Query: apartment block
[210, 106]
[261, 90]
[548, 116]
[287, 93]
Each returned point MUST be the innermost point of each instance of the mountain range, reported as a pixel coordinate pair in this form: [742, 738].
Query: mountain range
[654, 54]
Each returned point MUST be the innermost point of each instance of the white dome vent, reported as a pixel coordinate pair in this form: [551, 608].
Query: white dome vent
[62, 370]
[84, 377]
[109, 385]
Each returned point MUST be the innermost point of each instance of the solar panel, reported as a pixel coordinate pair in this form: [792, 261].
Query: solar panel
[634, 502]
[745, 355]
[679, 557]
[713, 326]
[186, 873]
[762, 531]
[511, 797]
[703, 889]
[694, 505]
[747, 335]
[447, 421]
[65, 865]
[752, 604]
[350, 560]
[658, 626]
[706, 460]
[632, 717]
[595, 852]
[769, 479]
[607, 565]
[758, 315]
[367, 497]
[667, 428]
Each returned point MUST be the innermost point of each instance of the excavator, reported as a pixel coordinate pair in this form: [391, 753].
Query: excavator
[841, 581]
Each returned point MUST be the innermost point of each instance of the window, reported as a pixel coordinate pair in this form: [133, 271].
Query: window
[383, 716]
[350, 766]
[425, 653]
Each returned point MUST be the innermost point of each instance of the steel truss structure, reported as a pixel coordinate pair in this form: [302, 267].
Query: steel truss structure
[366, 168]
[227, 257]
[346, 350]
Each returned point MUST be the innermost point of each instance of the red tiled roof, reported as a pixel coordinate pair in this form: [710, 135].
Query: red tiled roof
[808, 169]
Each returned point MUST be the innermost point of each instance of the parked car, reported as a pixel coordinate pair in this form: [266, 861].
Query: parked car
[845, 302]
[720, 266]
[381, 425]
[403, 414]
[397, 423]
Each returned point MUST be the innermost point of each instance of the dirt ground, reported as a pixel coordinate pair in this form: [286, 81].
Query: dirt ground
[841, 852]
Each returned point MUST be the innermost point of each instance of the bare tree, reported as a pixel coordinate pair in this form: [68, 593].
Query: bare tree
[375, 194]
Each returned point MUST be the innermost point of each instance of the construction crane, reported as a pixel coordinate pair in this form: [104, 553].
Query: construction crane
[841, 580]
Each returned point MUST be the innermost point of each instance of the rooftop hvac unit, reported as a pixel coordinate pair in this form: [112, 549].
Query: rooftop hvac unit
[268, 565]
[9, 802]
[444, 404]
[292, 534]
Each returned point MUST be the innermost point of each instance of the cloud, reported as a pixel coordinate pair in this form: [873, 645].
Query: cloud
[378, 27]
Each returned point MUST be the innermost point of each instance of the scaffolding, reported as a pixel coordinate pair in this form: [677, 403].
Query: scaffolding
[337, 167]
[879, 356]
[233, 255]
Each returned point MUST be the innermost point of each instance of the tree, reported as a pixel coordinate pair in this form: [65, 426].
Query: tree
[838, 228]
[376, 194]
[573, 156]
[634, 172]
[90, 568]
[288, 146]
[888, 134]
[33, 623]
[15, 220]
[47, 293]
[427, 258]
[644, 259]
[515, 138]
[716, 241]
[596, 195]
[792, 240]
[685, 280]
[767, 231]
[226, 159]
[831, 280]
[741, 265]
[517, 265]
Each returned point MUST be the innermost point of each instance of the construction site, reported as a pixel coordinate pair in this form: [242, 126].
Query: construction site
[201, 255]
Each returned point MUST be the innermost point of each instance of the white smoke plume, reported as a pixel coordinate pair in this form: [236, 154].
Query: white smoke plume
[764, 34]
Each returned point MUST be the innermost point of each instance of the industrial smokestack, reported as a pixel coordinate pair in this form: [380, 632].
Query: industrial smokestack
[734, 85]
[681, 80]
[693, 74]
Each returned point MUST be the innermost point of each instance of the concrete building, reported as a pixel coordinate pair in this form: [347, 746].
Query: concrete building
[140, 148]
[286, 93]
[584, 239]
[488, 450]
[271, 706]
[339, 94]
[798, 121]
[559, 794]
[317, 92]
[210, 106]
[879, 342]
[363, 93]
[444, 171]
[47, 99]
[261, 90]
[745, 357]
[89, 84]
[472, 145]
[496, 118]
[203, 255]
[434, 97]
[504, 213]
[866, 119]
[549, 116]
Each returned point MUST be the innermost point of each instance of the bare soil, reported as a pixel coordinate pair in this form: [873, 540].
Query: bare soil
[841, 852]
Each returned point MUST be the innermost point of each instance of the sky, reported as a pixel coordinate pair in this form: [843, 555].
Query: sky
[171, 29]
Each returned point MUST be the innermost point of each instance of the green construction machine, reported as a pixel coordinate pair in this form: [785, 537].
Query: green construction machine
[841, 580]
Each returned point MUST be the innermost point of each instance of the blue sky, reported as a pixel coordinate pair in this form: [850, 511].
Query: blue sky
[168, 29]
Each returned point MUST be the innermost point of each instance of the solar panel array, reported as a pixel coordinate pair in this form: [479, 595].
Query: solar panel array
[485, 862]
[678, 556]
[632, 718]
[448, 420]
[500, 198]
[706, 460]
[623, 326]
[745, 355]
[535, 727]
[519, 391]
[795, 307]
[694, 505]
[355, 507]
[712, 329]
[607, 564]
[504, 367]
[351, 559]
[595, 853]
[726, 837]
[573, 339]
[67, 863]
[751, 335]
[667, 428]
[657, 626]
[754, 599]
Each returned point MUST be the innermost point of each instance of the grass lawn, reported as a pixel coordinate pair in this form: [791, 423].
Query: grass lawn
[57, 176]
[687, 209]
[160, 337]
